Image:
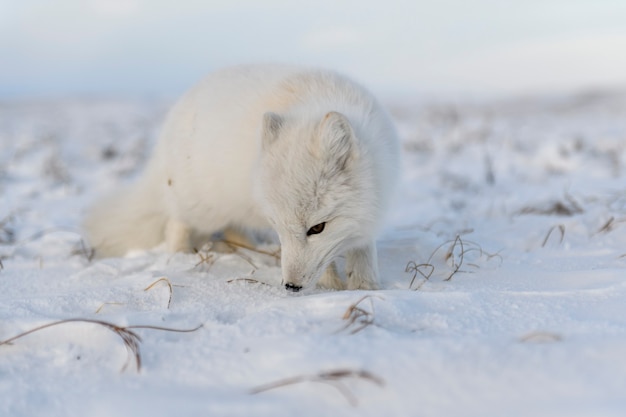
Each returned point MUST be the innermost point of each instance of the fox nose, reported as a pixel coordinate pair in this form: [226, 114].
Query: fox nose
[292, 287]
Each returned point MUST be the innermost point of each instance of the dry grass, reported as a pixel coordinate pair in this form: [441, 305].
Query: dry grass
[335, 378]
[566, 207]
[454, 256]
[83, 250]
[110, 303]
[610, 225]
[131, 339]
[169, 286]
[207, 257]
[243, 256]
[541, 337]
[7, 234]
[248, 280]
[560, 228]
[8, 237]
[164, 280]
[80, 247]
[424, 270]
[235, 245]
[358, 318]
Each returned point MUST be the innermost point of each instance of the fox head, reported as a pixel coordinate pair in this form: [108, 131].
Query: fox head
[316, 190]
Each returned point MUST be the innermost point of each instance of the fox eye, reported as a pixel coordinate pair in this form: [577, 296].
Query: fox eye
[317, 229]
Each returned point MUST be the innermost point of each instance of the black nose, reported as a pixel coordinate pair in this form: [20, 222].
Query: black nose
[292, 288]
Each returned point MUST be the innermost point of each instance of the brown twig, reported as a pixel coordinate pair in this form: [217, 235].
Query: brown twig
[248, 280]
[207, 258]
[334, 378]
[235, 248]
[610, 225]
[455, 254]
[81, 249]
[450, 255]
[359, 316]
[108, 304]
[541, 337]
[418, 269]
[165, 329]
[9, 234]
[275, 255]
[561, 229]
[557, 208]
[169, 285]
[131, 339]
[88, 252]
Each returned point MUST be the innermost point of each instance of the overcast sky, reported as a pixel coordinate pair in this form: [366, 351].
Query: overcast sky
[129, 47]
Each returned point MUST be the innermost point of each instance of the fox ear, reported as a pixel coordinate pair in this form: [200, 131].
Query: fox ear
[337, 139]
[272, 123]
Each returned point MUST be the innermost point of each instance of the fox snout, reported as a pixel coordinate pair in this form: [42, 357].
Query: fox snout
[292, 283]
[292, 287]
[302, 264]
[294, 279]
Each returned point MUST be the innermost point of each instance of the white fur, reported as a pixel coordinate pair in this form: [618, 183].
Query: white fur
[258, 146]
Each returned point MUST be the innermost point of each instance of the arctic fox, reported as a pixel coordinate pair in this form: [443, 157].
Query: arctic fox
[306, 152]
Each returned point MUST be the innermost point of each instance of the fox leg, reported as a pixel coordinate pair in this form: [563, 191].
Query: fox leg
[330, 278]
[177, 236]
[362, 268]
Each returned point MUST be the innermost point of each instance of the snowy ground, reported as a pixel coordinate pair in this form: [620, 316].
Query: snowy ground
[515, 210]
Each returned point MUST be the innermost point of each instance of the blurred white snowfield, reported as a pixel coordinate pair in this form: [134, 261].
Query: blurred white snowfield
[503, 269]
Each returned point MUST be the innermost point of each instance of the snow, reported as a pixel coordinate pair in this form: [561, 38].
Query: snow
[517, 205]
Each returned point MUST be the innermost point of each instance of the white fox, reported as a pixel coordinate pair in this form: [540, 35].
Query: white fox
[306, 152]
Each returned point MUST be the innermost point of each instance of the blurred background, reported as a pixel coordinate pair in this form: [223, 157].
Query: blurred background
[160, 47]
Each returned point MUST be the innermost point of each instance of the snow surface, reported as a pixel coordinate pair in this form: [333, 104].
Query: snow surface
[518, 206]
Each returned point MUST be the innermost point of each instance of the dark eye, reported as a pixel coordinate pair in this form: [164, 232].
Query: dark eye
[318, 228]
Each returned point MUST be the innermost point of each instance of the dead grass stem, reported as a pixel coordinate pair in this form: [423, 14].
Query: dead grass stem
[80, 247]
[207, 257]
[610, 225]
[455, 254]
[110, 303]
[7, 234]
[248, 280]
[358, 317]
[425, 270]
[568, 207]
[275, 255]
[169, 285]
[541, 337]
[560, 228]
[335, 378]
[131, 339]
